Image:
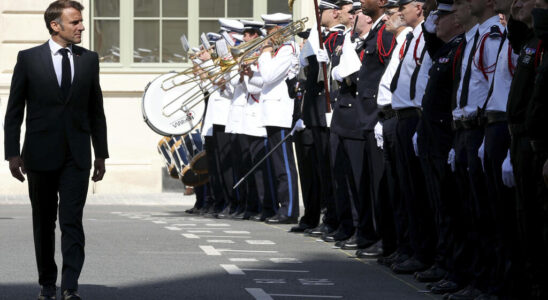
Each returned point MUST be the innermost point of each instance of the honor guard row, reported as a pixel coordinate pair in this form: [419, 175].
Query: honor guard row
[419, 129]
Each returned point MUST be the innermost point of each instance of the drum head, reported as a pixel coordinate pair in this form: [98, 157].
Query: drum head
[171, 109]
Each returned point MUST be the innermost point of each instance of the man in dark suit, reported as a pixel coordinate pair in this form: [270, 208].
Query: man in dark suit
[58, 82]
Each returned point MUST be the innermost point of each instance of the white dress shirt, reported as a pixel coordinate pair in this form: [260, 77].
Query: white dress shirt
[457, 112]
[502, 79]
[385, 96]
[58, 60]
[479, 86]
[400, 97]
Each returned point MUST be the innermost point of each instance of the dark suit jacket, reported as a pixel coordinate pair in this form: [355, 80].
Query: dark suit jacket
[54, 124]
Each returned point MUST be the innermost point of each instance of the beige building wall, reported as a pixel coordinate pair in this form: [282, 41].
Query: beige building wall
[134, 166]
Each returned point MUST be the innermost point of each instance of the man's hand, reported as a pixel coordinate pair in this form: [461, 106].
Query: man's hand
[98, 169]
[17, 168]
[204, 55]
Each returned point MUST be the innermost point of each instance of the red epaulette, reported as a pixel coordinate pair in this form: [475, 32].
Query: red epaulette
[380, 46]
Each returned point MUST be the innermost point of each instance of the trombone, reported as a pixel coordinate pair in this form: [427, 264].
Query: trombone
[241, 54]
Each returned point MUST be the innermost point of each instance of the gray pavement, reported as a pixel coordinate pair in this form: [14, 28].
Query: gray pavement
[159, 252]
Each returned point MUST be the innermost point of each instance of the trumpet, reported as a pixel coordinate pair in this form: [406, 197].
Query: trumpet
[222, 67]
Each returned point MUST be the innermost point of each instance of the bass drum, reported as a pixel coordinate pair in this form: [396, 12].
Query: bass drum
[164, 150]
[182, 151]
[170, 108]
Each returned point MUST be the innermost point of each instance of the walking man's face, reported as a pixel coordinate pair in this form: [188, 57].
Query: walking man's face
[70, 26]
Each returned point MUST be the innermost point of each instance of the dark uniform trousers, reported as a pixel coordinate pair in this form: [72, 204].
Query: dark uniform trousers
[246, 193]
[72, 184]
[356, 171]
[202, 193]
[224, 162]
[323, 165]
[285, 172]
[310, 178]
[264, 181]
[434, 142]
[411, 179]
[216, 198]
[531, 210]
[503, 228]
[393, 194]
[471, 182]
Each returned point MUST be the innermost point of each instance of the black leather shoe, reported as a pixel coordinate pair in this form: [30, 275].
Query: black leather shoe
[300, 228]
[357, 242]
[48, 292]
[281, 219]
[335, 236]
[239, 215]
[409, 266]
[435, 273]
[467, 293]
[372, 251]
[262, 217]
[320, 230]
[71, 295]
[224, 214]
[339, 244]
[444, 287]
[250, 215]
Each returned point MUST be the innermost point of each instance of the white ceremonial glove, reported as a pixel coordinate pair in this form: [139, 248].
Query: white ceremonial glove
[378, 135]
[415, 146]
[322, 56]
[508, 172]
[451, 160]
[430, 23]
[481, 154]
[299, 125]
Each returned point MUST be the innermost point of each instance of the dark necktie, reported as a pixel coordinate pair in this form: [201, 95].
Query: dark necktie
[394, 83]
[413, 87]
[466, 79]
[457, 73]
[66, 73]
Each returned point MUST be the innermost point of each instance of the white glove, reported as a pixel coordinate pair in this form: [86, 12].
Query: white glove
[415, 146]
[378, 135]
[481, 154]
[299, 125]
[322, 56]
[430, 23]
[508, 172]
[451, 160]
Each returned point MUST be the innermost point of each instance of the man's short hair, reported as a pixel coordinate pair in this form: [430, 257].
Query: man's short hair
[55, 10]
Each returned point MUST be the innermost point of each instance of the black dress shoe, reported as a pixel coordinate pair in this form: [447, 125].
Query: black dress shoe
[250, 215]
[239, 215]
[486, 296]
[335, 236]
[48, 292]
[300, 228]
[409, 266]
[444, 286]
[71, 295]
[320, 230]
[467, 293]
[339, 244]
[262, 217]
[281, 219]
[435, 273]
[357, 242]
[372, 251]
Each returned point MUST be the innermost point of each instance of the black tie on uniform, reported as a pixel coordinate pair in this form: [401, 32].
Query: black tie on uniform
[66, 74]
[394, 83]
[466, 79]
[415, 75]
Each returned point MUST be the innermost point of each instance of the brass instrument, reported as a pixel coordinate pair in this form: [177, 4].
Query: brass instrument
[241, 54]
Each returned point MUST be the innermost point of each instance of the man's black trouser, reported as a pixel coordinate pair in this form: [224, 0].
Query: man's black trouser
[71, 184]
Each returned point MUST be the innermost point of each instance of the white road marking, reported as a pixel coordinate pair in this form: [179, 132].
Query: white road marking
[247, 251]
[159, 222]
[218, 225]
[270, 281]
[236, 232]
[221, 241]
[225, 236]
[200, 231]
[286, 261]
[210, 250]
[233, 270]
[184, 225]
[306, 296]
[116, 212]
[172, 228]
[273, 270]
[243, 259]
[259, 294]
[190, 236]
[260, 242]
[309, 281]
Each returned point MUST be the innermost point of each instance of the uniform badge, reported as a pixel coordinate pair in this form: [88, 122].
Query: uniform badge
[443, 60]
[530, 51]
